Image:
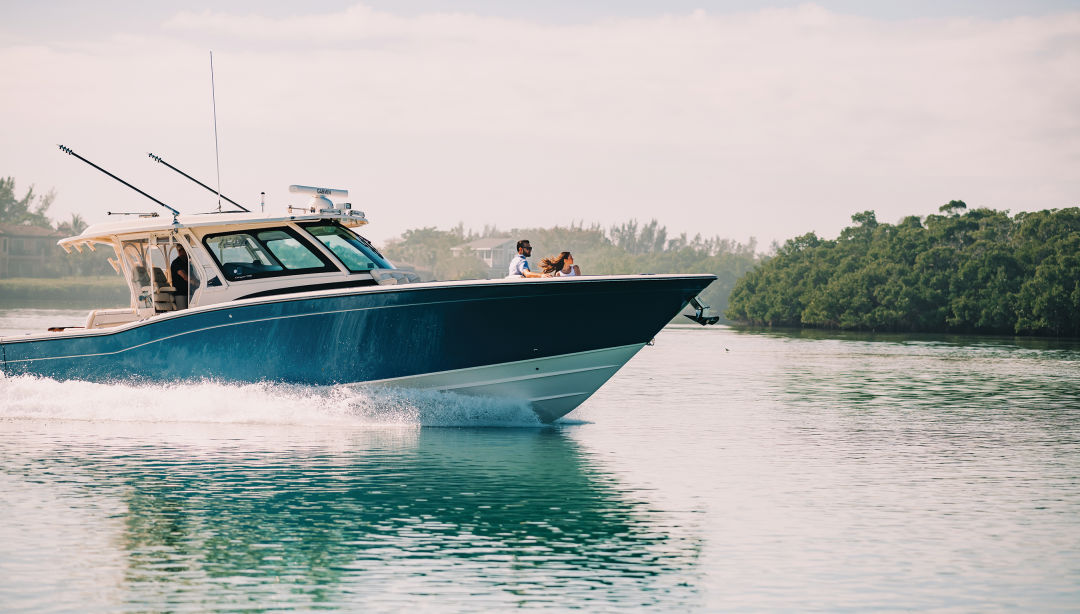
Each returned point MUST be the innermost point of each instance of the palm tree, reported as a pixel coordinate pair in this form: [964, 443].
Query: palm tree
[73, 226]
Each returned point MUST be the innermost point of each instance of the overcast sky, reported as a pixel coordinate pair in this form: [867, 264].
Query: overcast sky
[739, 118]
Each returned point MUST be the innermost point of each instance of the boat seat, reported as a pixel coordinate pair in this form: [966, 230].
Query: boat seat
[393, 277]
[163, 299]
[140, 276]
[101, 318]
[160, 279]
[164, 293]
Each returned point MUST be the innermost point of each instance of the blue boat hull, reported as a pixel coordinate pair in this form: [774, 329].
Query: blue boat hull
[369, 334]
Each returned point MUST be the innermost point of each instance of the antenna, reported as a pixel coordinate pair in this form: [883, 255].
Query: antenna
[72, 153]
[319, 200]
[220, 195]
[217, 156]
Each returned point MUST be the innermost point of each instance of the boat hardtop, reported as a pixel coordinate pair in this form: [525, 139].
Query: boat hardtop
[153, 223]
[234, 255]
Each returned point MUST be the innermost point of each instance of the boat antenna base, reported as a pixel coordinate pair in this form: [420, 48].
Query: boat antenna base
[702, 313]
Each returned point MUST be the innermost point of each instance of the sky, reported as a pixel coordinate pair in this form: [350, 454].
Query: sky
[737, 118]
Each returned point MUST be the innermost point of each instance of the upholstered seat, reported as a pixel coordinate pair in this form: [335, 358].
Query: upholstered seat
[163, 292]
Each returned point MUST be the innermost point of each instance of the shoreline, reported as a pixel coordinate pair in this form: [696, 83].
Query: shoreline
[814, 332]
[60, 292]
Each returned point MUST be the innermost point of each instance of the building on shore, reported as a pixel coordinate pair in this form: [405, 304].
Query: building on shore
[28, 251]
[493, 252]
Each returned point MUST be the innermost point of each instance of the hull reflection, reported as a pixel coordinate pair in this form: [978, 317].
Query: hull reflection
[508, 517]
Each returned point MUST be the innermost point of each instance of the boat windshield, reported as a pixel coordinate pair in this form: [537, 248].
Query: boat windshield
[268, 252]
[355, 252]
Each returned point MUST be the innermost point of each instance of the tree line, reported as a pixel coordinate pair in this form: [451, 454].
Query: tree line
[631, 247]
[32, 210]
[960, 271]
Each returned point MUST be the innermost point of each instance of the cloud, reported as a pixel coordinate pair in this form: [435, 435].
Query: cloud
[767, 123]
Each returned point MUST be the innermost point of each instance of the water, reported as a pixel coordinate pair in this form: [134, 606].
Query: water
[719, 471]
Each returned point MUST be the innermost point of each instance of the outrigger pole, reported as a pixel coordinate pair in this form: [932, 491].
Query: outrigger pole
[158, 159]
[72, 153]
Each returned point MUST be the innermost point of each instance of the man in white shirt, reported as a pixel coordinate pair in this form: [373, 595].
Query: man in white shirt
[519, 266]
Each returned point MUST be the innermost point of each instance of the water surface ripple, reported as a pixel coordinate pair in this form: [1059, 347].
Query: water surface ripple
[719, 471]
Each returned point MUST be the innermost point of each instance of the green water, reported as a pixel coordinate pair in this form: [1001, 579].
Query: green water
[719, 471]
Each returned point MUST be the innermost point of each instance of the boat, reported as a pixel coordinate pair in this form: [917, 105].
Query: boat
[301, 297]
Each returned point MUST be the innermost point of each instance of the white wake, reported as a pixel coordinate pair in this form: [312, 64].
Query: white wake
[36, 398]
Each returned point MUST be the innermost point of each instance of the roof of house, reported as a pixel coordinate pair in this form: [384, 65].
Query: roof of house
[23, 230]
[489, 243]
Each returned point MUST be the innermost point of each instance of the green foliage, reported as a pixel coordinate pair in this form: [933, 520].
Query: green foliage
[73, 226]
[953, 207]
[30, 209]
[428, 250]
[104, 291]
[967, 270]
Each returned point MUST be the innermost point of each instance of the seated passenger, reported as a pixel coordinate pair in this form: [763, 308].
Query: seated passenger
[560, 266]
[519, 266]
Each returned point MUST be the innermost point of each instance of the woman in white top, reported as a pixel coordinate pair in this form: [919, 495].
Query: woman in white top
[560, 266]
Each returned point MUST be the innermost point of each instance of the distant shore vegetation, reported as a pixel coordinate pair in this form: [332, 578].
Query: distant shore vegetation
[630, 247]
[31, 210]
[959, 271]
[99, 290]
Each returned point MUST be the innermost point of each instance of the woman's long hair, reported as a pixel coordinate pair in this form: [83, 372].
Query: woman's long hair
[554, 263]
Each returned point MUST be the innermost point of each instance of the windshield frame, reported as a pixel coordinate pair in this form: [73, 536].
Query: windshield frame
[327, 265]
[354, 240]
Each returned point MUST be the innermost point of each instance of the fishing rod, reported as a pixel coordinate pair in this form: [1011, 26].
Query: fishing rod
[72, 153]
[138, 213]
[158, 159]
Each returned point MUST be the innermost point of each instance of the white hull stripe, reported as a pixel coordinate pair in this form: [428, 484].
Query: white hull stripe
[553, 385]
